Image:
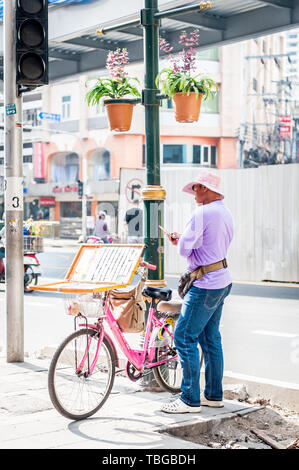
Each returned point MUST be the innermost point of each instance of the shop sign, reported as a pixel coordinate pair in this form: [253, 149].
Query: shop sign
[47, 201]
[38, 161]
[65, 189]
[56, 189]
[285, 128]
[70, 189]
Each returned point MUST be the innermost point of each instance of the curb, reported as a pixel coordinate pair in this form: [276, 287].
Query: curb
[283, 396]
[195, 427]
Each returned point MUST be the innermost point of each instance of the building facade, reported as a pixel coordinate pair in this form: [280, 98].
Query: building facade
[55, 150]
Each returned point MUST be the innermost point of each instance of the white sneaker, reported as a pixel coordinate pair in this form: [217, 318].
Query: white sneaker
[178, 406]
[212, 403]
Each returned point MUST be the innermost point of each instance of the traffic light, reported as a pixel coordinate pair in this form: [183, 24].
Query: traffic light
[80, 188]
[32, 43]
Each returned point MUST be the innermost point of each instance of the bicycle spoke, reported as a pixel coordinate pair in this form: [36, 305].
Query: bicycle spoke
[74, 391]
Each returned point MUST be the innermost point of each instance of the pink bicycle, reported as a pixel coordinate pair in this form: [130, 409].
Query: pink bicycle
[83, 368]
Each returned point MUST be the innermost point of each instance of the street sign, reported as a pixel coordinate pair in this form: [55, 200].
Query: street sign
[50, 117]
[285, 127]
[10, 109]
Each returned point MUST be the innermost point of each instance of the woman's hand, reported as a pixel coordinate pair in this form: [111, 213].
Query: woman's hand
[174, 237]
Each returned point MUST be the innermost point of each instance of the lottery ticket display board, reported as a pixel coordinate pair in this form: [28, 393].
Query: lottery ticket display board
[99, 268]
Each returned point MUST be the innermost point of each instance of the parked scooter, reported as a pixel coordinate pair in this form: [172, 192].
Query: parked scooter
[32, 269]
[92, 239]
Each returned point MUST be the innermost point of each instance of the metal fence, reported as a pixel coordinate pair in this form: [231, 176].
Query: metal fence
[264, 202]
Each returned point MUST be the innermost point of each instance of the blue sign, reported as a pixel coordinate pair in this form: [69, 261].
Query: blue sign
[10, 109]
[78, 2]
[50, 117]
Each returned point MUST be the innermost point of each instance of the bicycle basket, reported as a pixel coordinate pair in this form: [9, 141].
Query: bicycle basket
[33, 243]
[88, 305]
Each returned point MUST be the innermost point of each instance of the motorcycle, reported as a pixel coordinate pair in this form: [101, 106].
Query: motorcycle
[32, 269]
[92, 239]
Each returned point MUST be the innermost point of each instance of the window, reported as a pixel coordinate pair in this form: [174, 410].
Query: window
[205, 155]
[66, 107]
[292, 36]
[211, 105]
[71, 209]
[292, 44]
[196, 153]
[254, 84]
[166, 104]
[31, 116]
[174, 153]
[207, 106]
[65, 167]
[213, 156]
[99, 165]
[100, 108]
[209, 54]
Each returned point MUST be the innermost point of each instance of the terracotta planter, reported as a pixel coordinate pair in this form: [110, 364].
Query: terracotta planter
[187, 107]
[120, 114]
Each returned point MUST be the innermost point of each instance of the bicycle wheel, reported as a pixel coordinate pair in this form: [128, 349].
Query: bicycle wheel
[169, 374]
[74, 392]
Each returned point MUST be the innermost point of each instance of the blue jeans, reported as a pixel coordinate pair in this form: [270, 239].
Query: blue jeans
[199, 323]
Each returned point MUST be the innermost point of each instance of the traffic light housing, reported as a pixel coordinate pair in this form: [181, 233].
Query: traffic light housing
[32, 43]
[80, 188]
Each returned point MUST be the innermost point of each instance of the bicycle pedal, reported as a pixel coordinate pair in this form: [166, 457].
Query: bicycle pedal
[171, 364]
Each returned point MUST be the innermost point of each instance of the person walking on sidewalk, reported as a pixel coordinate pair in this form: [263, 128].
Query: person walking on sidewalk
[204, 243]
[101, 228]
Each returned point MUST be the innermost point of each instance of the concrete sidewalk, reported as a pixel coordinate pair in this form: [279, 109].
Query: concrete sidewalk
[130, 419]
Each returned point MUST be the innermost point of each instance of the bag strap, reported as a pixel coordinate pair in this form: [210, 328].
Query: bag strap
[199, 272]
[138, 290]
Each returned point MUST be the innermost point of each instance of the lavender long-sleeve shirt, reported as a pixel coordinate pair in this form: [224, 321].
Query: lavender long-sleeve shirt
[206, 240]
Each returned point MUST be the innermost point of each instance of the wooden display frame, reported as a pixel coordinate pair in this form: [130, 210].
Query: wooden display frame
[92, 270]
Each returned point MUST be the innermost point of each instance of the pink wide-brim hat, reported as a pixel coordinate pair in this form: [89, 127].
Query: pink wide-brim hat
[208, 179]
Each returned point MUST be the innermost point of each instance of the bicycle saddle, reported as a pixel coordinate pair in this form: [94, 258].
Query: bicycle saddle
[157, 293]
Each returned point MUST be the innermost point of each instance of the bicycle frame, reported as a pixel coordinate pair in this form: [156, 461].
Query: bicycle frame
[137, 357]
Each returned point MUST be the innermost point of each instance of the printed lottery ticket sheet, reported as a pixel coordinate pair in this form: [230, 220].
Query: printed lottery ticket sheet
[99, 267]
[112, 264]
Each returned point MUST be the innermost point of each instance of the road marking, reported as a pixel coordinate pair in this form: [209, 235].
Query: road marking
[259, 380]
[275, 333]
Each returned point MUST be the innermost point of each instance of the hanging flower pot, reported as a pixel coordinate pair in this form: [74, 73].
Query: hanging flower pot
[178, 83]
[117, 89]
[120, 113]
[187, 107]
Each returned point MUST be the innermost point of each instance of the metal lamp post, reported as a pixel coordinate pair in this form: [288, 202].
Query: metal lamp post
[153, 194]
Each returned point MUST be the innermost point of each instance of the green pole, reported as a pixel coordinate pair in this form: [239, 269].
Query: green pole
[153, 194]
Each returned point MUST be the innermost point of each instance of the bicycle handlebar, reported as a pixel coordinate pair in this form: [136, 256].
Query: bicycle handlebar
[148, 265]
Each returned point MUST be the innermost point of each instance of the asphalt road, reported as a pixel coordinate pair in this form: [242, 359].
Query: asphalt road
[55, 265]
[259, 327]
